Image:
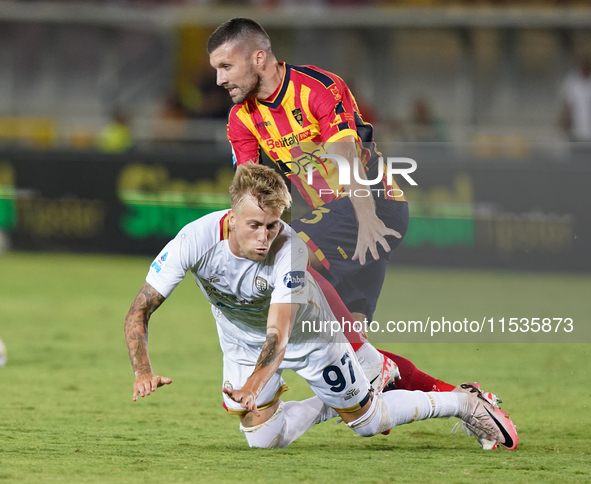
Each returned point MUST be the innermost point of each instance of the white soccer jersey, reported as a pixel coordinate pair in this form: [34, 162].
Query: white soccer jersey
[241, 290]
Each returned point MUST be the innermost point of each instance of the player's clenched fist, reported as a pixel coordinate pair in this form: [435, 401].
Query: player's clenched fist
[147, 383]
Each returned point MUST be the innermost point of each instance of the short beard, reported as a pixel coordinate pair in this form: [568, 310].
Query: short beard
[251, 93]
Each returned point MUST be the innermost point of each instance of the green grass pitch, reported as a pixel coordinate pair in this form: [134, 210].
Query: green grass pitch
[66, 413]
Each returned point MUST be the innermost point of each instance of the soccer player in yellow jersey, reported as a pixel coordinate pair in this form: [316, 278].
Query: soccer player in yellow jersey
[297, 114]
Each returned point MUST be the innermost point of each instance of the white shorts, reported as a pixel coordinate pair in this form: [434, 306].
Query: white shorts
[331, 370]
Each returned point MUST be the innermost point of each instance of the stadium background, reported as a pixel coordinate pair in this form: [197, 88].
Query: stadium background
[112, 137]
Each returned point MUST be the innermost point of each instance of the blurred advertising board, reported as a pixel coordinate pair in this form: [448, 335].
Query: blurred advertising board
[500, 215]
[467, 213]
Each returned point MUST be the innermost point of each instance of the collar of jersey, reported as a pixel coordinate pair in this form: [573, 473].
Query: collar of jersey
[275, 103]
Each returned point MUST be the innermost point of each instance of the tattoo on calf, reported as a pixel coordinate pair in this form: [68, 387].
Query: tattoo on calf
[247, 420]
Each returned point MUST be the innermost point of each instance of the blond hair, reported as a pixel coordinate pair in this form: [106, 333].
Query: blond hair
[263, 184]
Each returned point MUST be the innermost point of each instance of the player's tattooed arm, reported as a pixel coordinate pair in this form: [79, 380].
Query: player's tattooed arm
[269, 350]
[279, 326]
[145, 303]
[136, 335]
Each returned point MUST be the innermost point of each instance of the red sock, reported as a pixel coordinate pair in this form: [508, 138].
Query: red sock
[415, 379]
[339, 309]
[412, 377]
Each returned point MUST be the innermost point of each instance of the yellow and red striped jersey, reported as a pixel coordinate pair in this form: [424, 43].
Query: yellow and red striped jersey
[310, 109]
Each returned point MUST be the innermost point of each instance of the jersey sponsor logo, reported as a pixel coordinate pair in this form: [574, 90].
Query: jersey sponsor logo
[295, 279]
[306, 161]
[351, 393]
[224, 300]
[262, 124]
[220, 304]
[298, 116]
[288, 141]
[260, 283]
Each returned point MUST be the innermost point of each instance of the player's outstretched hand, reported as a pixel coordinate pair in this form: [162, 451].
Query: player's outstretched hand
[372, 231]
[147, 383]
[245, 398]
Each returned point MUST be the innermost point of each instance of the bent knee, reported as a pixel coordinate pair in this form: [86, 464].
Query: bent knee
[366, 432]
[263, 438]
[373, 422]
[267, 435]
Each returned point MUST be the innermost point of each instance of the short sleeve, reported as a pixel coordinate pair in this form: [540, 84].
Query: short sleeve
[290, 272]
[167, 270]
[334, 107]
[183, 252]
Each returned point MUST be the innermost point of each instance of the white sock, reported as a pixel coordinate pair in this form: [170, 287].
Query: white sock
[446, 404]
[369, 355]
[371, 361]
[401, 406]
[290, 421]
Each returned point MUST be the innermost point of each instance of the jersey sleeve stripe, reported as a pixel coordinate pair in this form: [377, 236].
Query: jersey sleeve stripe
[342, 134]
[314, 74]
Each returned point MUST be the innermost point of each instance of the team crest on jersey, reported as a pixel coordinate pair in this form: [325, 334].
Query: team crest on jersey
[299, 117]
[260, 283]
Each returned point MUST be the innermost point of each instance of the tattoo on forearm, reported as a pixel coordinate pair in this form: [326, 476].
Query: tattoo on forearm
[136, 327]
[268, 351]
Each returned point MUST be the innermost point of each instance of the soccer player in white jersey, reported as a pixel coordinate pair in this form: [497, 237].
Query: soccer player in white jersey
[253, 272]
